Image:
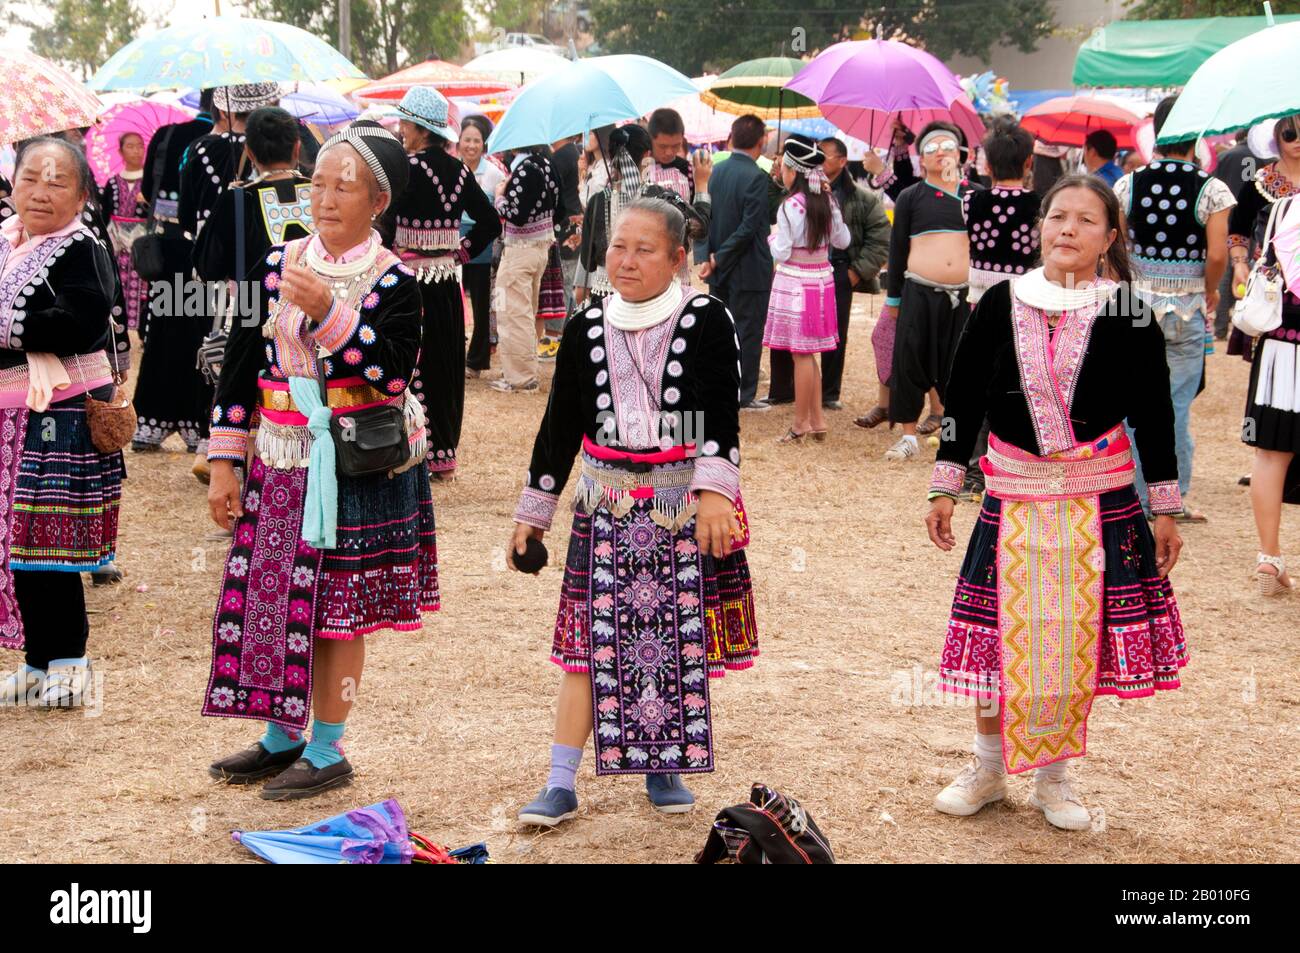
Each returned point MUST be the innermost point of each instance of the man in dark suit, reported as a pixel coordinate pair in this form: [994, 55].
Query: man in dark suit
[739, 269]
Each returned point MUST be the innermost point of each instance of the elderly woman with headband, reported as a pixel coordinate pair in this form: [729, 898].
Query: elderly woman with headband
[801, 316]
[59, 496]
[656, 597]
[320, 559]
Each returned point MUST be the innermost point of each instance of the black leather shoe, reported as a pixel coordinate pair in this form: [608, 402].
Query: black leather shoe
[303, 779]
[253, 764]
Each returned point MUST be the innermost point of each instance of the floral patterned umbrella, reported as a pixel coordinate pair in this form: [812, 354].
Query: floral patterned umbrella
[38, 97]
[222, 51]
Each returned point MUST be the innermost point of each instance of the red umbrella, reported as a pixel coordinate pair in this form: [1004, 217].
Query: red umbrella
[447, 78]
[1068, 120]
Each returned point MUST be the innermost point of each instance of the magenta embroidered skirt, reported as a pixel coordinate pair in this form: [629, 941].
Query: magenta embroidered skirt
[801, 309]
[1143, 646]
[279, 594]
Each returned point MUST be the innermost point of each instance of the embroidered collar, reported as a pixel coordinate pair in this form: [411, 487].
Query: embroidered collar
[1273, 185]
[1035, 290]
[351, 263]
[639, 315]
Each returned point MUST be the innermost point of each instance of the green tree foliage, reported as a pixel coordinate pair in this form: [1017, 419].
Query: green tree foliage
[81, 35]
[1185, 9]
[693, 35]
[519, 16]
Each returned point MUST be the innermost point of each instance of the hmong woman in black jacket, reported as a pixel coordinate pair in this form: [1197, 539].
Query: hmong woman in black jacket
[321, 558]
[426, 218]
[1063, 594]
[656, 598]
[59, 494]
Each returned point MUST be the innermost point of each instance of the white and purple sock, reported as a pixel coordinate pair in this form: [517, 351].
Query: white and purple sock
[564, 767]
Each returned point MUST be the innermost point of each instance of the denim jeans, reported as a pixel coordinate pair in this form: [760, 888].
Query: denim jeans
[1185, 354]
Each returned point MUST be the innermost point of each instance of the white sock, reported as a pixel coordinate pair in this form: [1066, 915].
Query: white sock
[988, 749]
[1052, 772]
[910, 437]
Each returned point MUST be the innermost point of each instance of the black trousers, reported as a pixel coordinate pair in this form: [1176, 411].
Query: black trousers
[477, 280]
[781, 385]
[928, 330]
[53, 607]
[749, 311]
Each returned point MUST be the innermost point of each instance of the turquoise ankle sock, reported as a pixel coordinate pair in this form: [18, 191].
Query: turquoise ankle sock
[324, 749]
[278, 739]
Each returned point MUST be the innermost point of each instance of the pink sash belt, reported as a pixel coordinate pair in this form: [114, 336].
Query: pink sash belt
[1088, 469]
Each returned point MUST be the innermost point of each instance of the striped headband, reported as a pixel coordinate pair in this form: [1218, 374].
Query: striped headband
[356, 137]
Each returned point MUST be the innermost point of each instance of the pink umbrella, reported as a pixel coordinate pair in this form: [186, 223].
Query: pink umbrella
[1068, 120]
[142, 117]
[861, 86]
[38, 97]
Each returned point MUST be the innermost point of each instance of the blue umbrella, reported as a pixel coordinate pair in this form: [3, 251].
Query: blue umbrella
[371, 835]
[222, 51]
[587, 94]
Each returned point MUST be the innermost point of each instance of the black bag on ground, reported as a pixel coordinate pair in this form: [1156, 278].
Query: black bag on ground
[770, 829]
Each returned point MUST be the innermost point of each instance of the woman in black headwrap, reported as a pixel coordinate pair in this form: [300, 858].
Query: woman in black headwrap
[319, 560]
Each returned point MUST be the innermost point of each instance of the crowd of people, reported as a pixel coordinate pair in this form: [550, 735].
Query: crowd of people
[1046, 326]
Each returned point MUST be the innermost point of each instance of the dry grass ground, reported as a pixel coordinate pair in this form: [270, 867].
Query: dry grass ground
[455, 722]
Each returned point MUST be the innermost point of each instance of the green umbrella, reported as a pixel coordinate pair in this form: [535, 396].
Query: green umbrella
[1254, 79]
[758, 87]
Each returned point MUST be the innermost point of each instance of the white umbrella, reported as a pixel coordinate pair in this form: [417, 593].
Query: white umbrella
[519, 65]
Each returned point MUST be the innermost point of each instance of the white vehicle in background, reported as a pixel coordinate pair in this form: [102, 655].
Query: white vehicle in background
[502, 40]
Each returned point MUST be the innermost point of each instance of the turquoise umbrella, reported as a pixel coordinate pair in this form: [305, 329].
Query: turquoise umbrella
[1256, 78]
[222, 51]
[587, 94]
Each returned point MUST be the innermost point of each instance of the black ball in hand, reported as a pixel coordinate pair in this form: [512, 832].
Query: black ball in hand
[534, 557]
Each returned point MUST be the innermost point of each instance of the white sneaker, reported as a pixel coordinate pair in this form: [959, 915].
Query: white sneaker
[21, 687]
[1057, 800]
[971, 790]
[905, 449]
[507, 388]
[65, 683]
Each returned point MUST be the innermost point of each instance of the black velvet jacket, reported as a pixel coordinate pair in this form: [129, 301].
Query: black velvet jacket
[426, 216]
[701, 382]
[62, 307]
[1123, 376]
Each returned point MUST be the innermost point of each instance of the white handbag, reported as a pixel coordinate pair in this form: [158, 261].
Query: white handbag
[1260, 310]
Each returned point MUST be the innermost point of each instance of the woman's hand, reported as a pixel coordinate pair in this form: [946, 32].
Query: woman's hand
[715, 524]
[1168, 544]
[519, 542]
[1240, 275]
[223, 494]
[300, 286]
[938, 522]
